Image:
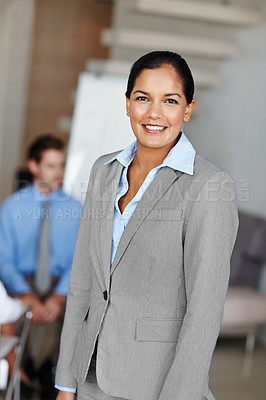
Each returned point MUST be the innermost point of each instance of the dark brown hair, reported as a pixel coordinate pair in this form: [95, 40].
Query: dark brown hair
[156, 59]
[42, 143]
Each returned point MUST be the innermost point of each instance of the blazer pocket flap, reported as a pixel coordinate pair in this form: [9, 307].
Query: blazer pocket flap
[164, 215]
[158, 330]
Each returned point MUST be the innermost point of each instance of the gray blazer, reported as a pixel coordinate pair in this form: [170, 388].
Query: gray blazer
[157, 311]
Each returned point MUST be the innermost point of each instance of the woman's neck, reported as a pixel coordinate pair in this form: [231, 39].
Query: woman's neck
[147, 158]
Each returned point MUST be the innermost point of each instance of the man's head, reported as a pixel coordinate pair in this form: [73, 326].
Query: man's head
[46, 162]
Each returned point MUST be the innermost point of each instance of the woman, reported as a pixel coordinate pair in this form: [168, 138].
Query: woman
[144, 326]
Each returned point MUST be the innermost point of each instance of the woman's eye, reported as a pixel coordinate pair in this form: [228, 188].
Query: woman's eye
[142, 98]
[171, 101]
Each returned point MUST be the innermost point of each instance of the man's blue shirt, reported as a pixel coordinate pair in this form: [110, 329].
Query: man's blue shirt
[20, 219]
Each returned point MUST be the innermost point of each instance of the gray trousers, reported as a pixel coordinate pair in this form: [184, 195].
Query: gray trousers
[90, 390]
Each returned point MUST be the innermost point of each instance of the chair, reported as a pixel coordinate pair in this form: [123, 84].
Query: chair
[244, 312]
[245, 306]
[7, 343]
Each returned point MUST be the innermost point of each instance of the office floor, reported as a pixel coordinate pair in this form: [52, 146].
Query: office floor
[226, 380]
[225, 376]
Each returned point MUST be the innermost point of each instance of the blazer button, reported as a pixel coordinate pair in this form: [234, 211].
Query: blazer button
[105, 295]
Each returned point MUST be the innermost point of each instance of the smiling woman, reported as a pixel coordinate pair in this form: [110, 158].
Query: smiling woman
[157, 107]
[159, 98]
[149, 277]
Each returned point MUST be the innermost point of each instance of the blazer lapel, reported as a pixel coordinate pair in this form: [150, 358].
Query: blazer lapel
[163, 180]
[108, 199]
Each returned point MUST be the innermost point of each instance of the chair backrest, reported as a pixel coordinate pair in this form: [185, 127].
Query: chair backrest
[7, 343]
[249, 254]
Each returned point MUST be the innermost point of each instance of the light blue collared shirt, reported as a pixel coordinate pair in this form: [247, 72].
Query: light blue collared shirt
[181, 157]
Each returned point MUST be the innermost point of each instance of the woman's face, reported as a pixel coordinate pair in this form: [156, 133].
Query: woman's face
[157, 107]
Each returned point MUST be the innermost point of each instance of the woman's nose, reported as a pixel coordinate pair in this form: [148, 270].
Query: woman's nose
[155, 110]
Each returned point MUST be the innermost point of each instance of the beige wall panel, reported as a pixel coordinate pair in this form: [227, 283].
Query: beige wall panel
[16, 25]
[67, 34]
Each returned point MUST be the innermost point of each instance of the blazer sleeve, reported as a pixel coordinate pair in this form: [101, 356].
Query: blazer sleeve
[78, 295]
[208, 242]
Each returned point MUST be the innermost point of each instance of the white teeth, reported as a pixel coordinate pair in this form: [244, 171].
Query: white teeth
[154, 128]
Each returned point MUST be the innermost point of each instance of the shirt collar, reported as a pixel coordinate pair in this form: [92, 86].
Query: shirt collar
[181, 157]
[125, 156]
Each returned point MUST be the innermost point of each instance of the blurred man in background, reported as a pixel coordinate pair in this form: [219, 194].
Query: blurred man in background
[38, 229]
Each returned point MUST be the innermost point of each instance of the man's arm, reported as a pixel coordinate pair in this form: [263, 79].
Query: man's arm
[55, 304]
[71, 227]
[62, 285]
[12, 278]
[54, 307]
[36, 306]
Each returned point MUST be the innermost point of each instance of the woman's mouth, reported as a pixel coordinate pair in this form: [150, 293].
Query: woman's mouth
[154, 128]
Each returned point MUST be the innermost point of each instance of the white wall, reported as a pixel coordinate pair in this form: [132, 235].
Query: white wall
[230, 128]
[100, 125]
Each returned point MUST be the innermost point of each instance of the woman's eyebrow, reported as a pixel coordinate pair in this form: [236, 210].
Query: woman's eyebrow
[166, 95]
[173, 94]
[141, 91]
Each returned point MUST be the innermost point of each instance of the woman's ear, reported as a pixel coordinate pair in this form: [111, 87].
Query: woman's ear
[33, 166]
[189, 109]
[128, 106]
